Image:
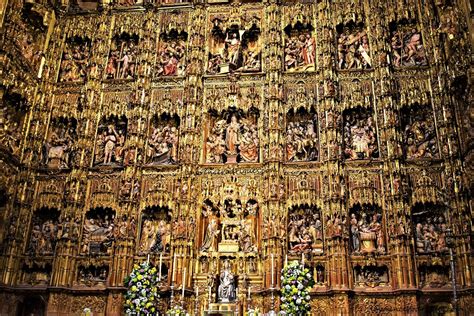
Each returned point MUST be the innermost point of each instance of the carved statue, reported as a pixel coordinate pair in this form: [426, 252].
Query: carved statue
[163, 145]
[59, 145]
[170, 60]
[110, 142]
[236, 141]
[123, 53]
[212, 233]
[353, 50]
[76, 57]
[367, 235]
[305, 230]
[300, 50]
[408, 49]
[419, 133]
[302, 140]
[226, 289]
[97, 234]
[430, 232]
[359, 135]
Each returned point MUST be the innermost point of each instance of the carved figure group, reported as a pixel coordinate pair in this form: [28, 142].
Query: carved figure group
[305, 230]
[367, 235]
[97, 233]
[74, 64]
[419, 136]
[155, 236]
[430, 233]
[353, 50]
[59, 146]
[110, 142]
[91, 275]
[407, 48]
[170, 58]
[300, 52]
[233, 49]
[233, 141]
[371, 276]
[162, 147]
[122, 60]
[43, 236]
[360, 140]
[302, 140]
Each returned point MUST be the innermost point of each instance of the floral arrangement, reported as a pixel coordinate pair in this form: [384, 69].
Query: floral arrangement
[142, 293]
[296, 281]
[177, 311]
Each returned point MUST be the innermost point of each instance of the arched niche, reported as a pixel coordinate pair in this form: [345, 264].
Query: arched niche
[360, 134]
[75, 60]
[305, 229]
[123, 57]
[353, 49]
[430, 225]
[58, 148]
[366, 229]
[231, 136]
[155, 232]
[110, 141]
[97, 231]
[163, 139]
[43, 233]
[302, 135]
[300, 47]
[419, 132]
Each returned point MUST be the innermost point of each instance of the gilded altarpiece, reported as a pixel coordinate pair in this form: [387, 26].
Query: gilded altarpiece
[225, 138]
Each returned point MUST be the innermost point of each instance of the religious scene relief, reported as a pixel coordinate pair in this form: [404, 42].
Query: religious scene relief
[234, 43]
[110, 141]
[300, 46]
[353, 50]
[371, 276]
[58, 150]
[36, 274]
[44, 232]
[123, 57]
[302, 136]
[92, 275]
[232, 136]
[12, 114]
[305, 229]
[162, 146]
[75, 60]
[430, 228]
[419, 132]
[360, 135]
[367, 232]
[408, 49]
[155, 235]
[98, 231]
[171, 50]
[230, 226]
[434, 276]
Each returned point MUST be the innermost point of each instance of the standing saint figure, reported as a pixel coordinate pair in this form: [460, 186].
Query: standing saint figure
[233, 48]
[210, 239]
[232, 135]
[226, 290]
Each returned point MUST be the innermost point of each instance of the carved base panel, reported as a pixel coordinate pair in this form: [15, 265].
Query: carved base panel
[61, 304]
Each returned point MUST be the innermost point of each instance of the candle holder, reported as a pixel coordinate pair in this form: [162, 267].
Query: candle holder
[272, 306]
[172, 295]
[196, 304]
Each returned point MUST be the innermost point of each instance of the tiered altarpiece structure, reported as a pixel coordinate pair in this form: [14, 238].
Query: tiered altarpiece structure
[214, 135]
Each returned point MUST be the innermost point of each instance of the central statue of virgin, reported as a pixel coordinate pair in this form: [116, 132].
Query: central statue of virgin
[226, 290]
